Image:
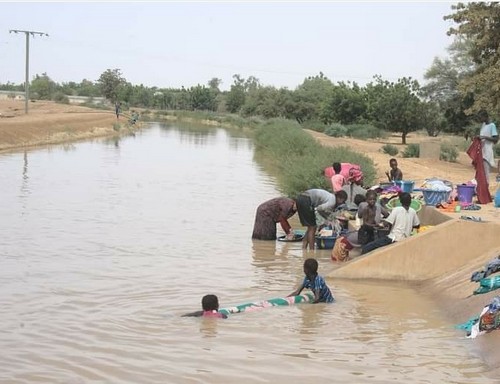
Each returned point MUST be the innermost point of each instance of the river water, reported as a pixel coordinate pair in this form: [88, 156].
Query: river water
[104, 244]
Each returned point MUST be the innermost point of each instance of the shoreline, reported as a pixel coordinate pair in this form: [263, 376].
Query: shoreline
[49, 123]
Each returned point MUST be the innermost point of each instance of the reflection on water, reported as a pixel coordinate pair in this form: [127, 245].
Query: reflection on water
[106, 244]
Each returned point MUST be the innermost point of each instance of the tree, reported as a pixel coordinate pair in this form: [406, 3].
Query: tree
[43, 87]
[480, 23]
[310, 97]
[345, 104]
[443, 79]
[395, 106]
[235, 98]
[110, 83]
[202, 98]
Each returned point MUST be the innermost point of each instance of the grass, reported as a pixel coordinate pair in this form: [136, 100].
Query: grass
[299, 159]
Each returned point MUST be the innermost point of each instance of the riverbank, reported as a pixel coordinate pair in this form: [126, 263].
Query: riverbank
[51, 123]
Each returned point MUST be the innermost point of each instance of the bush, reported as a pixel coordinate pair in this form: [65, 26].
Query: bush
[412, 150]
[117, 127]
[314, 125]
[299, 160]
[365, 131]
[61, 98]
[448, 153]
[390, 149]
[336, 130]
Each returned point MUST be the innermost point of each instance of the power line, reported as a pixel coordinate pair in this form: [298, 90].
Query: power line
[27, 82]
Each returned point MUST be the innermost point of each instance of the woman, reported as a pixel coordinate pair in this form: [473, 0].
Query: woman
[277, 210]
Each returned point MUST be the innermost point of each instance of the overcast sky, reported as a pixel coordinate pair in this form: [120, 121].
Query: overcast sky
[174, 44]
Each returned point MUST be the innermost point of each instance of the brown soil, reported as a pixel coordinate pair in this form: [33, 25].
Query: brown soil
[50, 123]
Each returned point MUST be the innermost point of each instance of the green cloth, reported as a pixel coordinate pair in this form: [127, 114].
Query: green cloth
[280, 301]
[488, 284]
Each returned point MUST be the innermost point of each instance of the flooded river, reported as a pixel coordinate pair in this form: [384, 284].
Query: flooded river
[104, 244]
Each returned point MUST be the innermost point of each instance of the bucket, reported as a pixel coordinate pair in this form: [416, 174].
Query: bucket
[432, 197]
[465, 193]
[406, 186]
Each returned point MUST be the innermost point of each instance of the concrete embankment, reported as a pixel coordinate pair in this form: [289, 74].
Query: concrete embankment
[439, 263]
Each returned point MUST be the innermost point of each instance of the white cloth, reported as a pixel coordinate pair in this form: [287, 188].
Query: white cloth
[488, 130]
[402, 221]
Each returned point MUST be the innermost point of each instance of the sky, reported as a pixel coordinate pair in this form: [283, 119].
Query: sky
[174, 44]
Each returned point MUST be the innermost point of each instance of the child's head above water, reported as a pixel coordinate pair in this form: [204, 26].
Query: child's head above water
[210, 303]
[310, 267]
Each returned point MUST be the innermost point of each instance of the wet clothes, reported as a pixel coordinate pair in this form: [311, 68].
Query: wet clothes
[277, 210]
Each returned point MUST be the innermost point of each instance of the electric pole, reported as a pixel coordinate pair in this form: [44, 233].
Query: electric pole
[27, 82]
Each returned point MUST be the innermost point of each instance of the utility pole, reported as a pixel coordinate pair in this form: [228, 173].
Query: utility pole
[27, 82]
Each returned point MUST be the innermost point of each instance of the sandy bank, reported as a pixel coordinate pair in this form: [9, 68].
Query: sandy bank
[51, 123]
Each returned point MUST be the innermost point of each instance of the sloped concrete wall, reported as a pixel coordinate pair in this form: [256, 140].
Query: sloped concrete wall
[440, 250]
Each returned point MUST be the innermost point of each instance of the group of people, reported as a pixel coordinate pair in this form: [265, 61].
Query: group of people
[379, 227]
[348, 194]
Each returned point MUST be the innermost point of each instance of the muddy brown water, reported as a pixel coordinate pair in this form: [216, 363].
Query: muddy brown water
[104, 244]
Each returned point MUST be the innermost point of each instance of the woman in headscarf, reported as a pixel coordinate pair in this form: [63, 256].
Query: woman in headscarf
[271, 212]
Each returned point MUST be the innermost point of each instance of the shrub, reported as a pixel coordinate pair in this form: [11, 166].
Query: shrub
[299, 160]
[390, 149]
[314, 125]
[448, 152]
[412, 150]
[336, 130]
[117, 127]
[365, 131]
[61, 98]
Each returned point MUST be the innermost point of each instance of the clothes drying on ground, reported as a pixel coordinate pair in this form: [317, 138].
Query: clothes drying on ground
[488, 284]
[493, 266]
[487, 321]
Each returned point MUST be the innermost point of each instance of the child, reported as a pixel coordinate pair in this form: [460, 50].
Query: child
[402, 220]
[210, 305]
[395, 173]
[371, 213]
[338, 180]
[315, 282]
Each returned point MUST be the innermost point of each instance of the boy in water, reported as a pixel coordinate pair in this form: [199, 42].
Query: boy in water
[395, 173]
[210, 305]
[315, 283]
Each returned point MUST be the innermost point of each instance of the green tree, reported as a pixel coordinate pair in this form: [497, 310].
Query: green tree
[203, 98]
[110, 83]
[235, 98]
[443, 79]
[395, 106]
[310, 97]
[480, 24]
[346, 104]
[43, 86]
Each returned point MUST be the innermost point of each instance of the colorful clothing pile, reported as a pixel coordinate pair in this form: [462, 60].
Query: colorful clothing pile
[487, 321]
